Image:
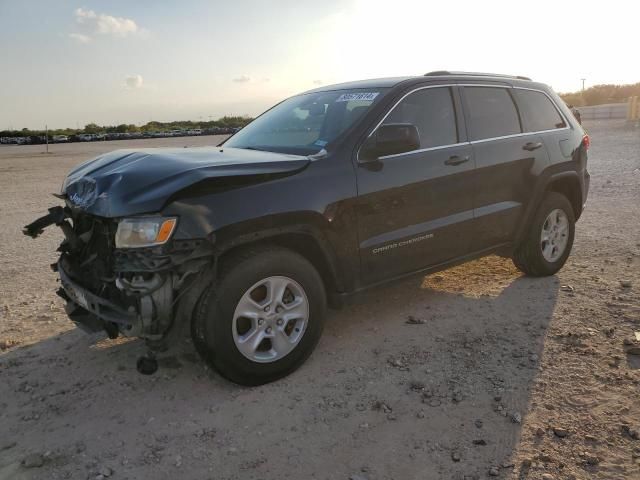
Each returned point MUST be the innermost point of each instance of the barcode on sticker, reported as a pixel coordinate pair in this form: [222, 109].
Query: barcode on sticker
[349, 97]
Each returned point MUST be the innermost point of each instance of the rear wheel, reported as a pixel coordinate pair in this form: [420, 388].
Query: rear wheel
[548, 242]
[263, 318]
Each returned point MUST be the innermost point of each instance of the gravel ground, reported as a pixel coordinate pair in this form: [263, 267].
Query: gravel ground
[475, 372]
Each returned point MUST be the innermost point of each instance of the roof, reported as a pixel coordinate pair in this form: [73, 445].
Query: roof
[447, 73]
[438, 75]
[371, 83]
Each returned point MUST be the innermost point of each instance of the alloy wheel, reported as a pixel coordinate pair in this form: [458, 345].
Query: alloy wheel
[554, 235]
[270, 319]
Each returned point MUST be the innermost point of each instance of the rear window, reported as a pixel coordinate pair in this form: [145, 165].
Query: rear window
[492, 112]
[538, 112]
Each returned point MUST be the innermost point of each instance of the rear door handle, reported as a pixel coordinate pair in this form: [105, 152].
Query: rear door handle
[456, 160]
[530, 146]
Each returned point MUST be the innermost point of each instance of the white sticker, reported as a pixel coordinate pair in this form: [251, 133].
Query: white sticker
[366, 97]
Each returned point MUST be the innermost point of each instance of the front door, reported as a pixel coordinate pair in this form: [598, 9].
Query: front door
[415, 209]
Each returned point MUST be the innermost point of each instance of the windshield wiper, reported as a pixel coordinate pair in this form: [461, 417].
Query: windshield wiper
[256, 149]
[317, 156]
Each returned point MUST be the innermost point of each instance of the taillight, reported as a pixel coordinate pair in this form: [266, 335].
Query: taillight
[586, 141]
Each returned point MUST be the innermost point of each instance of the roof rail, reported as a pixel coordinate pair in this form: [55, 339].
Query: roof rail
[474, 74]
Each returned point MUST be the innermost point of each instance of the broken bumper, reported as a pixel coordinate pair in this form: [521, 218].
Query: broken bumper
[89, 311]
[144, 292]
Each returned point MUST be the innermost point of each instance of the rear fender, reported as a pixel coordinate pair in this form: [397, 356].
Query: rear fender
[560, 178]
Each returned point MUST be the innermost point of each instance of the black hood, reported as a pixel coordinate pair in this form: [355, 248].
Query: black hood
[133, 182]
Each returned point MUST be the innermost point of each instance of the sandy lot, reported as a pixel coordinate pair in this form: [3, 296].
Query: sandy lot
[507, 377]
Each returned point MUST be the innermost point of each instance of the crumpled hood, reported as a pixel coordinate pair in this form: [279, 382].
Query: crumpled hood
[130, 182]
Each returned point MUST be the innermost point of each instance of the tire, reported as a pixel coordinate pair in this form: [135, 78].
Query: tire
[529, 256]
[221, 328]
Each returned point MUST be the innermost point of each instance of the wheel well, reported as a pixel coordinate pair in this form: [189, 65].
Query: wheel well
[570, 188]
[303, 244]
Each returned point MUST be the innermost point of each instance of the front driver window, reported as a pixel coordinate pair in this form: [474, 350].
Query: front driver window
[431, 110]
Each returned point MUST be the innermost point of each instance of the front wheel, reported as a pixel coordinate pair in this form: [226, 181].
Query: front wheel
[548, 242]
[264, 317]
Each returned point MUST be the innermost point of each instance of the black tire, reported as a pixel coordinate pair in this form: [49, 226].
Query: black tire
[214, 317]
[528, 256]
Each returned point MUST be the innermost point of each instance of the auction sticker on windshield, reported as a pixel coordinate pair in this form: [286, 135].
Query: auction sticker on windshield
[348, 97]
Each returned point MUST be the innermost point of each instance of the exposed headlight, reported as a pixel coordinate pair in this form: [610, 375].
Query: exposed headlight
[144, 231]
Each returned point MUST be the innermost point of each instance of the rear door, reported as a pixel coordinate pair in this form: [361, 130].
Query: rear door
[507, 162]
[415, 209]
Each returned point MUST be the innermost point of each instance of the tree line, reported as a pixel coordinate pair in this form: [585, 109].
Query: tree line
[601, 94]
[92, 128]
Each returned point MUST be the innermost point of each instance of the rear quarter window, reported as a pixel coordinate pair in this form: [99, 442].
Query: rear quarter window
[538, 112]
[492, 113]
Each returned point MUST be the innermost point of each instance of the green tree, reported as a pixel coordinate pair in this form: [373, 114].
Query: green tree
[92, 128]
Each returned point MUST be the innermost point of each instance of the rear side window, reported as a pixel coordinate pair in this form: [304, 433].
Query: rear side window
[431, 110]
[492, 112]
[538, 112]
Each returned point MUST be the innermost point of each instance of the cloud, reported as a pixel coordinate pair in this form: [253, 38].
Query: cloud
[116, 25]
[318, 82]
[134, 81]
[80, 38]
[242, 79]
[83, 14]
[104, 24]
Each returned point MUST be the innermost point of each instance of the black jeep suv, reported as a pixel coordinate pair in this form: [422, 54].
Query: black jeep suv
[326, 194]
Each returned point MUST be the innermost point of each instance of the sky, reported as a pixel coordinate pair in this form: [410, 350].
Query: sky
[68, 63]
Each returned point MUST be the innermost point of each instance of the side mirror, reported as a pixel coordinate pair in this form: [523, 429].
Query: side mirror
[390, 139]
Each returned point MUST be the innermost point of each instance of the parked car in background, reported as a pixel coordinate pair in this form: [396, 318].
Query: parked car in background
[60, 138]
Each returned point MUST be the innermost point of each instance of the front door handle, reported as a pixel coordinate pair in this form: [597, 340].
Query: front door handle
[456, 160]
[530, 146]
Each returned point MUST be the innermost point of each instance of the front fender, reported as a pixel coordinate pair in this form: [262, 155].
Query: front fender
[304, 233]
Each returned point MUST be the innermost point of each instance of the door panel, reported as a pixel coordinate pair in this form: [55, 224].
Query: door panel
[504, 178]
[414, 211]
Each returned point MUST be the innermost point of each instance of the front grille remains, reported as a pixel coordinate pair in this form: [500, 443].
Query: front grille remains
[91, 256]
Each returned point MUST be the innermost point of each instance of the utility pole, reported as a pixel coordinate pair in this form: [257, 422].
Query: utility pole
[46, 136]
[583, 79]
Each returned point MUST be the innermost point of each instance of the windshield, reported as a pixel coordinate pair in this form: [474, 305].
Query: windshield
[306, 123]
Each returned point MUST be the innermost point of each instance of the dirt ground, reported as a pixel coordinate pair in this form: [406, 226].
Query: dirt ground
[502, 376]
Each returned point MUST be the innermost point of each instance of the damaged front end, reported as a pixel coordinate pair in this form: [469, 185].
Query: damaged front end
[146, 291]
[126, 267]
